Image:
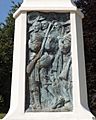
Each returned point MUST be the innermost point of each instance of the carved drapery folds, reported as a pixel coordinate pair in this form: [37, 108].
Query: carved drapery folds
[49, 63]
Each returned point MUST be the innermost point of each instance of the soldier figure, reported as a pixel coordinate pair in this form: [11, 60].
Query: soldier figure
[62, 71]
[34, 44]
[66, 73]
[39, 61]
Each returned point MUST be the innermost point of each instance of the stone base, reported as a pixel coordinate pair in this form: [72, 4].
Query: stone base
[75, 115]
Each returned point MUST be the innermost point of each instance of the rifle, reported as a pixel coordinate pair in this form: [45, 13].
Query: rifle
[31, 65]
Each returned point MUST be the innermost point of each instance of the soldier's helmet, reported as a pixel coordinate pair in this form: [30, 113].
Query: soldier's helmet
[41, 18]
[31, 29]
[36, 26]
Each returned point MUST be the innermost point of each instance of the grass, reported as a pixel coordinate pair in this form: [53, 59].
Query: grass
[2, 115]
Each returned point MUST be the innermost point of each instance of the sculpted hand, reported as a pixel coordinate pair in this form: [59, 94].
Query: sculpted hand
[38, 55]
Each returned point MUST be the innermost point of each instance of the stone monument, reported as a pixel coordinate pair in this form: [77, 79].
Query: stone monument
[48, 80]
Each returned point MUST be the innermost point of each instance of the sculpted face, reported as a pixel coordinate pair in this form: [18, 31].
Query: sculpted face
[65, 46]
[51, 43]
[57, 26]
[44, 25]
[37, 26]
[35, 42]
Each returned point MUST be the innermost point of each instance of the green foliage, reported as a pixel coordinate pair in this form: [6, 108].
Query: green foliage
[6, 53]
[89, 27]
[2, 115]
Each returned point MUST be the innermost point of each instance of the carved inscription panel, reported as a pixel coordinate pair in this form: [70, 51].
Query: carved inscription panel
[49, 63]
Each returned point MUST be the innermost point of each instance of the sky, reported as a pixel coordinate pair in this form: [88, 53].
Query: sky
[5, 6]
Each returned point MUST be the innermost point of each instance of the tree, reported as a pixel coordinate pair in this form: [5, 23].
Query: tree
[88, 7]
[6, 53]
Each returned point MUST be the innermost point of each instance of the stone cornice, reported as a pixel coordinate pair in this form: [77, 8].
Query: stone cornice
[47, 9]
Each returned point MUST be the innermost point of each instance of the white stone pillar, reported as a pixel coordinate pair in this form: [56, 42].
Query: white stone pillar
[80, 105]
[17, 102]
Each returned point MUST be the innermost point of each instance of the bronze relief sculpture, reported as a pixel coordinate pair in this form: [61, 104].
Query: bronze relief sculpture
[49, 62]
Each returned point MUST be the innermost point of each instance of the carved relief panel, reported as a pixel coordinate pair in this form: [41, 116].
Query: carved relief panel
[48, 63]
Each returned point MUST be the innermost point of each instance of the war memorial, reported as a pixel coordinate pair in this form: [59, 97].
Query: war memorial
[48, 78]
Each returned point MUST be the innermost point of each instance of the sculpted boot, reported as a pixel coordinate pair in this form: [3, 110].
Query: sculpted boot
[36, 104]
